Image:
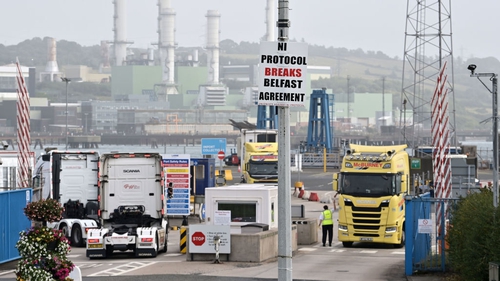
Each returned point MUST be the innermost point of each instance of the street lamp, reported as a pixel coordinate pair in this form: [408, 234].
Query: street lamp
[66, 80]
[494, 79]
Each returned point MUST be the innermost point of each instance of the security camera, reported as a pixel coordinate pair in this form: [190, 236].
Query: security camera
[472, 68]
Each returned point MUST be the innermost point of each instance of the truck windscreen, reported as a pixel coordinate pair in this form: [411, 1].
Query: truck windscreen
[368, 185]
[263, 168]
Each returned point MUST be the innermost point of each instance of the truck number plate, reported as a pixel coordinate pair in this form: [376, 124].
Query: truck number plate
[365, 239]
[119, 240]
[95, 245]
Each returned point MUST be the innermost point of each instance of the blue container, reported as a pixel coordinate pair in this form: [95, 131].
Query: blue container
[12, 221]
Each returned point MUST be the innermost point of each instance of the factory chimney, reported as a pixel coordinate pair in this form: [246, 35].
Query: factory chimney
[270, 20]
[166, 40]
[120, 33]
[51, 69]
[213, 32]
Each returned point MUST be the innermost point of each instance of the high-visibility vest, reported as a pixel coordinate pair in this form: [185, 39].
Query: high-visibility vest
[327, 217]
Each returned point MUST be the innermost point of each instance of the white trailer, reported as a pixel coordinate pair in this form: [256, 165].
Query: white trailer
[131, 207]
[71, 178]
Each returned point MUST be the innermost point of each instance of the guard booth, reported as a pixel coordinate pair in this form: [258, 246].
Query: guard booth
[202, 175]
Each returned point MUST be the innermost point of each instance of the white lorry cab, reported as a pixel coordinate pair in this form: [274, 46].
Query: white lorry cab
[131, 207]
[71, 178]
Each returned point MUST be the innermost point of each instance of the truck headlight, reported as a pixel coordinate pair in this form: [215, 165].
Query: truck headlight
[343, 227]
[390, 229]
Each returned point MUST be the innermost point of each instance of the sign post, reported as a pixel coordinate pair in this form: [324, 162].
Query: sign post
[283, 67]
[221, 155]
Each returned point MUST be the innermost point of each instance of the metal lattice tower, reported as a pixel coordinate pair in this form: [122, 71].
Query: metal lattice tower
[428, 44]
[319, 134]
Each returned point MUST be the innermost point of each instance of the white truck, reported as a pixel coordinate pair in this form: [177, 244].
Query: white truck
[71, 178]
[132, 206]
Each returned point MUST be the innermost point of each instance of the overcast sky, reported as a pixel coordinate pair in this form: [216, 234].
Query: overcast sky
[372, 25]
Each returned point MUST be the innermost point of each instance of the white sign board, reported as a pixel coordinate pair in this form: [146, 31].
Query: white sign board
[201, 238]
[282, 73]
[222, 217]
[425, 226]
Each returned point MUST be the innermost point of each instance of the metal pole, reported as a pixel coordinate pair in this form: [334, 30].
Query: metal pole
[494, 92]
[66, 80]
[495, 140]
[383, 101]
[284, 183]
[86, 128]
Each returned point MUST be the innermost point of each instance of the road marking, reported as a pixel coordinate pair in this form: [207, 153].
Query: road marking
[7, 272]
[72, 256]
[122, 269]
[307, 249]
[173, 255]
[367, 252]
[398, 253]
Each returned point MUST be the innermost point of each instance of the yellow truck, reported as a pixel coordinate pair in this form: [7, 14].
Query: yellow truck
[260, 163]
[371, 185]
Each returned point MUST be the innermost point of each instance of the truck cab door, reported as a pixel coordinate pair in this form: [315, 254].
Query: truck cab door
[337, 177]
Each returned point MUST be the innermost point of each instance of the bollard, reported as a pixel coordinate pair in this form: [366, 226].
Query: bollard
[183, 239]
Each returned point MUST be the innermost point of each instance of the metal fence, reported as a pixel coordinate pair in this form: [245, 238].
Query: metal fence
[12, 221]
[426, 223]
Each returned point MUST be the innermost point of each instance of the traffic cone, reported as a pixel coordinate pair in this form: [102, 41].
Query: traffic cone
[313, 196]
[301, 193]
[239, 168]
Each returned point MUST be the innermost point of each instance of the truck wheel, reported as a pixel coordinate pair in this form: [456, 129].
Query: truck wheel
[347, 244]
[166, 242]
[403, 240]
[109, 251]
[65, 230]
[76, 236]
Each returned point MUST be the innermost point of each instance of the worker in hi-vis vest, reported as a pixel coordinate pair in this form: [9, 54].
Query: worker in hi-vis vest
[326, 220]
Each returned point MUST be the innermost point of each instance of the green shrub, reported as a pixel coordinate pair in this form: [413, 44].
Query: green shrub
[472, 236]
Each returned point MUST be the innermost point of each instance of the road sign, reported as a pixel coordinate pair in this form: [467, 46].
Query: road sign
[415, 163]
[282, 73]
[212, 146]
[221, 155]
[198, 238]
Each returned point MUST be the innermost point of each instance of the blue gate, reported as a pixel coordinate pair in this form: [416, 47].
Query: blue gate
[426, 224]
[12, 221]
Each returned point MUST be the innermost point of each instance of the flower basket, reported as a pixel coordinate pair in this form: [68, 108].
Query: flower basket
[48, 210]
[43, 250]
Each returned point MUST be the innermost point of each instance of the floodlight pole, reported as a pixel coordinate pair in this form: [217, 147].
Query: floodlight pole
[284, 183]
[66, 80]
[494, 79]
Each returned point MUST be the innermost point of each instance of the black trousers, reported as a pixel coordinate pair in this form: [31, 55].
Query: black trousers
[327, 230]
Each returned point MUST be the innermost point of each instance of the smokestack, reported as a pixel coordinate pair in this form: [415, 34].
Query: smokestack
[213, 32]
[104, 53]
[120, 32]
[270, 20]
[166, 37]
[51, 66]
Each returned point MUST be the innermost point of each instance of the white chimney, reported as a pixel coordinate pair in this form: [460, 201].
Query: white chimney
[213, 32]
[270, 20]
[166, 36]
[51, 66]
[120, 32]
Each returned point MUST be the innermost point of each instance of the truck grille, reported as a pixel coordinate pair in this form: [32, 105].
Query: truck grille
[366, 219]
